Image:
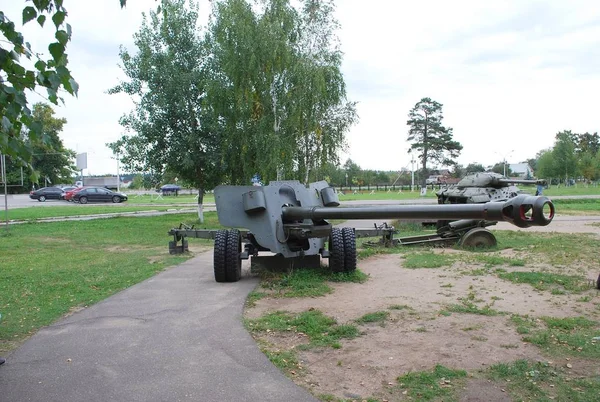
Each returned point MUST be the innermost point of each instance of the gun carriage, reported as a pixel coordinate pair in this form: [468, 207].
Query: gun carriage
[291, 222]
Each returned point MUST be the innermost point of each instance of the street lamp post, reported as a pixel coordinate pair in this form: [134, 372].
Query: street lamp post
[504, 156]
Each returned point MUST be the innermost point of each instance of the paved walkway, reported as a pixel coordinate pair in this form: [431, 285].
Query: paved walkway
[177, 336]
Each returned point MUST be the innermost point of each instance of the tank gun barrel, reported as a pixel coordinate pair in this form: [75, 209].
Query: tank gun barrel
[522, 211]
[521, 181]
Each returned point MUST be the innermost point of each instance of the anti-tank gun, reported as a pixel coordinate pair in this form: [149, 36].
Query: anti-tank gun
[291, 221]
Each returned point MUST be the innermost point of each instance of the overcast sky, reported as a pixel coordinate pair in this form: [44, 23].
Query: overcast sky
[510, 74]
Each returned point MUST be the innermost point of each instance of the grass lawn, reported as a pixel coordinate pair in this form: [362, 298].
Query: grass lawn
[70, 209]
[181, 199]
[49, 269]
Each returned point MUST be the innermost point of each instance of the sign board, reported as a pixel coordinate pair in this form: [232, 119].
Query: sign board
[81, 161]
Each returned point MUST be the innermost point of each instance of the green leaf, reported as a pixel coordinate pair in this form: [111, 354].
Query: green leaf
[54, 80]
[41, 19]
[74, 85]
[58, 18]
[56, 50]
[29, 13]
[6, 124]
[69, 30]
[62, 37]
[40, 65]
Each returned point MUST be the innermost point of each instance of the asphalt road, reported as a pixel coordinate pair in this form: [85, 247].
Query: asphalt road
[177, 336]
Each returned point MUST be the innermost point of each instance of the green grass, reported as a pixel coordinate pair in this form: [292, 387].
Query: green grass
[548, 281]
[69, 209]
[540, 381]
[378, 316]
[524, 324]
[572, 190]
[468, 307]
[306, 282]
[493, 260]
[439, 384]
[48, 269]
[577, 205]
[571, 336]
[321, 331]
[399, 307]
[555, 248]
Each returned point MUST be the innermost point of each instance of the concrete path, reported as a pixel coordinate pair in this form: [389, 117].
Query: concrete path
[177, 336]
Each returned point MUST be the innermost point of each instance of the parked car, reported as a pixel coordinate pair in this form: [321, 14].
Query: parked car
[169, 189]
[66, 190]
[46, 193]
[69, 194]
[98, 194]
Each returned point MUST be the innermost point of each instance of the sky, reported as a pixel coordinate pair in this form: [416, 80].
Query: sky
[509, 74]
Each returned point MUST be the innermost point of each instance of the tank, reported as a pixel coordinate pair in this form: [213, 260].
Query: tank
[478, 188]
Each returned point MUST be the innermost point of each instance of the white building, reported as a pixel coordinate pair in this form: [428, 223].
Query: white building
[521, 170]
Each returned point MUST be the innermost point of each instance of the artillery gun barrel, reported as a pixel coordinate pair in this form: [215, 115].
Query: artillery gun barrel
[522, 211]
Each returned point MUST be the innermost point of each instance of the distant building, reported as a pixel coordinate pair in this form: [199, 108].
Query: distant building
[521, 170]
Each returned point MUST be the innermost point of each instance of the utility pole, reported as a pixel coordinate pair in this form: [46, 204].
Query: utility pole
[412, 173]
[118, 175]
[4, 179]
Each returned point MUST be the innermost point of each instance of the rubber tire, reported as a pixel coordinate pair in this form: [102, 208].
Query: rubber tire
[336, 250]
[478, 238]
[116, 199]
[349, 249]
[233, 266]
[219, 256]
[42, 198]
[83, 200]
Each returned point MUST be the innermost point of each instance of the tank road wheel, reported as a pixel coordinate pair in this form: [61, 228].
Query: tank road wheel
[220, 256]
[349, 249]
[336, 250]
[233, 262]
[478, 238]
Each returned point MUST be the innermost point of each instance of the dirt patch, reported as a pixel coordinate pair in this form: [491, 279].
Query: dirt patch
[419, 333]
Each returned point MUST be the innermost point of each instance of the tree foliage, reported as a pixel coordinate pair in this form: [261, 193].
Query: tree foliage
[429, 137]
[573, 155]
[275, 88]
[51, 159]
[474, 168]
[16, 79]
[167, 130]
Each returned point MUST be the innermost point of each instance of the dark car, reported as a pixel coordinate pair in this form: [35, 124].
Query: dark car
[46, 193]
[98, 194]
[170, 189]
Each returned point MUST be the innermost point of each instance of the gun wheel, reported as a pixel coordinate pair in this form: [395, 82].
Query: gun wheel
[478, 238]
[233, 264]
[349, 249]
[336, 250]
[220, 256]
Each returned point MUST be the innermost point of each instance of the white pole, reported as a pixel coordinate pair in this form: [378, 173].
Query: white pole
[412, 173]
[118, 175]
[4, 179]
